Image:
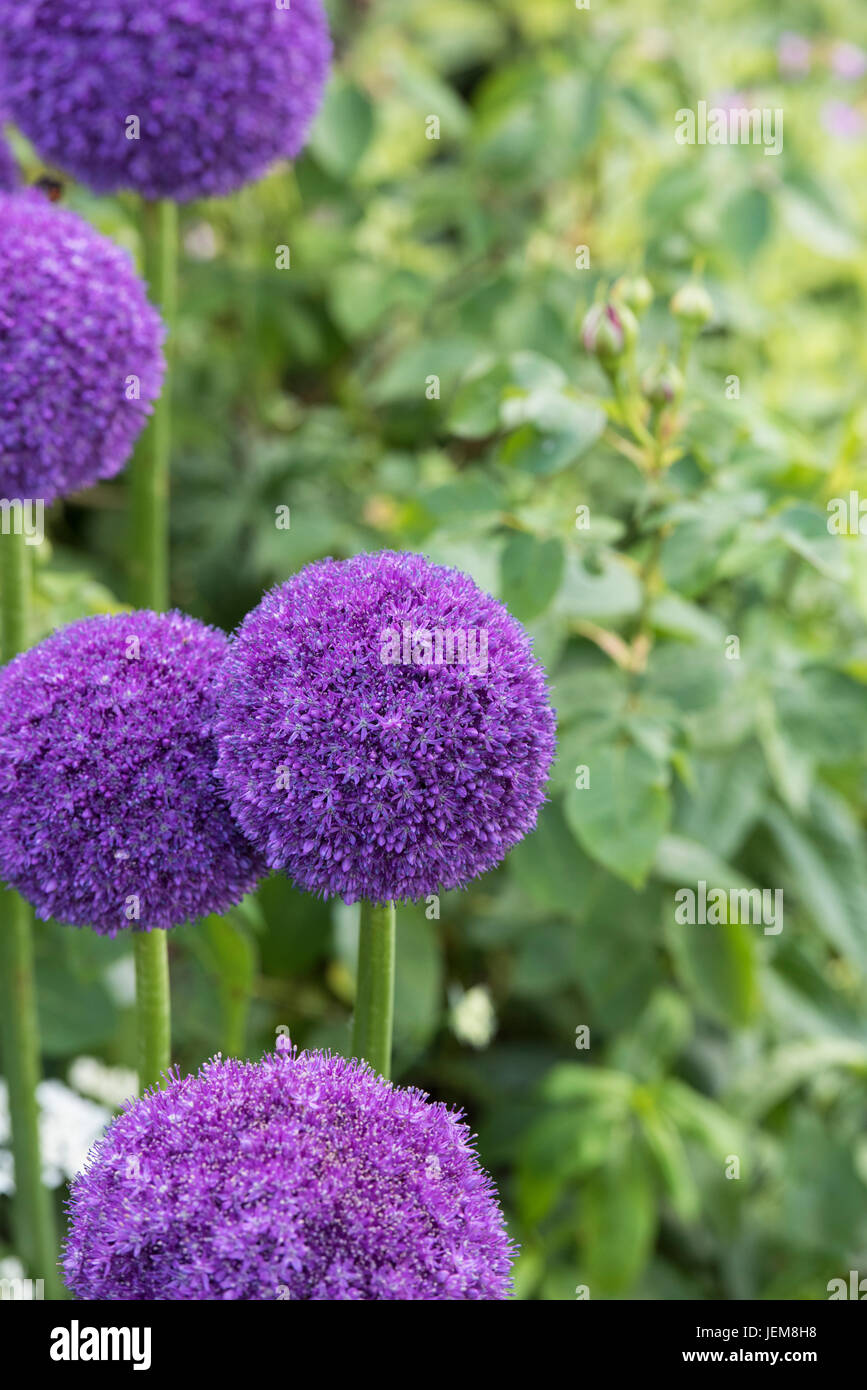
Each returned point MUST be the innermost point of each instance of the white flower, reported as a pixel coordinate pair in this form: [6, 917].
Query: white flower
[68, 1127]
[473, 1019]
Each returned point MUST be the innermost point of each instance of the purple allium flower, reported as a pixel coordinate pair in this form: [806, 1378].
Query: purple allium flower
[303, 1176]
[356, 755]
[793, 54]
[175, 99]
[848, 61]
[9, 172]
[80, 351]
[110, 815]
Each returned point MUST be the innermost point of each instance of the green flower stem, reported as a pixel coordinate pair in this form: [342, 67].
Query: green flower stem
[149, 554]
[153, 1019]
[374, 991]
[19, 1026]
[149, 575]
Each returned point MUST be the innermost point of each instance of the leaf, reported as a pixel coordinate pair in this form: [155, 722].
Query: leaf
[821, 887]
[810, 224]
[746, 222]
[702, 1119]
[418, 984]
[72, 1021]
[805, 531]
[567, 1143]
[571, 1081]
[607, 592]
[228, 952]
[619, 1221]
[657, 1038]
[718, 964]
[621, 816]
[670, 1157]
[549, 867]
[343, 128]
[552, 430]
[475, 410]
[722, 803]
[682, 861]
[763, 1086]
[531, 573]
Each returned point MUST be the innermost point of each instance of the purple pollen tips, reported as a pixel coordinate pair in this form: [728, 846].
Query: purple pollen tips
[303, 1176]
[384, 729]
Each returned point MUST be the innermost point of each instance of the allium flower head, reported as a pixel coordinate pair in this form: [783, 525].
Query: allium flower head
[361, 758]
[110, 815]
[174, 99]
[303, 1176]
[80, 351]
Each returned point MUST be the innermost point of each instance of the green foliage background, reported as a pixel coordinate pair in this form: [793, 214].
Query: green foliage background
[305, 388]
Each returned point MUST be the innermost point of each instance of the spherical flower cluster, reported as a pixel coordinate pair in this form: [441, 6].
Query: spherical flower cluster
[384, 730]
[175, 99]
[110, 815]
[9, 176]
[303, 1176]
[80, 351]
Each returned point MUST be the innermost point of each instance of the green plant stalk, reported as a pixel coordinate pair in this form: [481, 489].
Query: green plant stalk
[19, 1025]
[149, 474]
[374, 991]
[149, 576]
[153, 1018]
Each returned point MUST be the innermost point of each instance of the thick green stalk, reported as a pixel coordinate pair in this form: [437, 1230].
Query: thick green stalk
[33, 1211]
[149, 583]
[374, 991]
[149, 551]
[153, 1020]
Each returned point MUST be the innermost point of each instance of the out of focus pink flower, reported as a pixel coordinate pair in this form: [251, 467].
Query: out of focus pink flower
[793, 54]
[843, 120]
[848, 61]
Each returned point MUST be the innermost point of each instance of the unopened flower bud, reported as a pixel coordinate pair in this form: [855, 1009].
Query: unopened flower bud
[635, 291]
[693, 305]
[609, 331]
[663, 384]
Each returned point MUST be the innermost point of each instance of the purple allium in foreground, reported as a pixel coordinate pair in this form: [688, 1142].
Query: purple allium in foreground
[303, 1176]
[110, 815]
[80, 351]
[383, 778]
[175, 99]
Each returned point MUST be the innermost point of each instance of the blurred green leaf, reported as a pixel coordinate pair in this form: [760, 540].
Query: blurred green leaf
[621, 816]
[618, 1221]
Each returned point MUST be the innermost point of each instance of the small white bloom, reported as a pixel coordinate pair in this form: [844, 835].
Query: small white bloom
[472, 1017]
